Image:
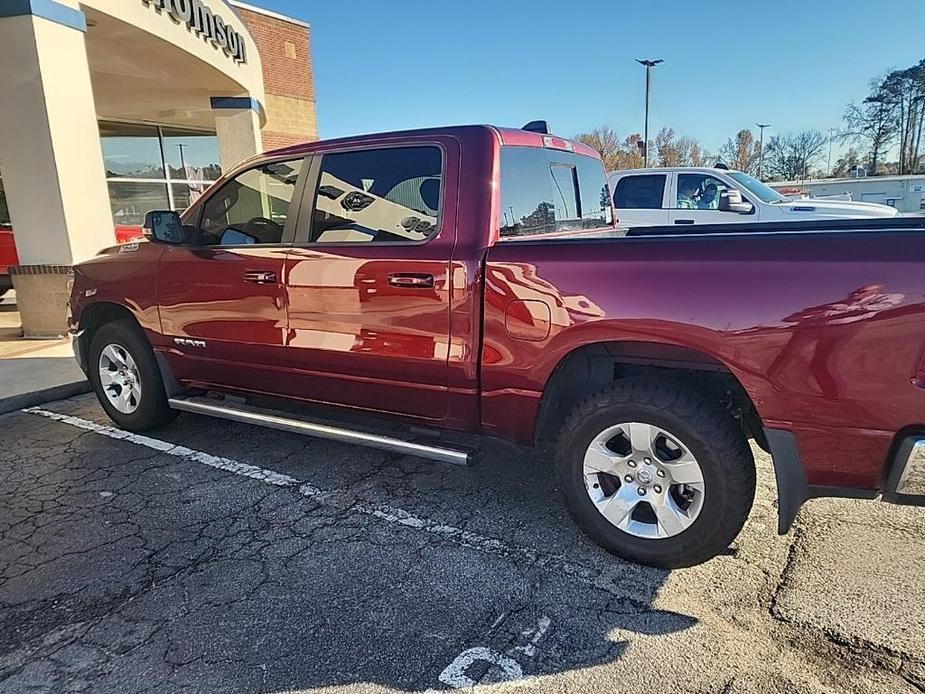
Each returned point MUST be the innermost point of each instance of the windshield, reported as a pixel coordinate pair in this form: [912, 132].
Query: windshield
[757, 188]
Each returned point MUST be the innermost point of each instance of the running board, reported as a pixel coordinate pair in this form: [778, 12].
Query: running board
[247, 415]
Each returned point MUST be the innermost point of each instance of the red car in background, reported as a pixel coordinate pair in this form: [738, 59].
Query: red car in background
[8, 256]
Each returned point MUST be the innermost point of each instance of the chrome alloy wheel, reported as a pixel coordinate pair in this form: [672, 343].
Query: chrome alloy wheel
[644, 480]
[120, 379]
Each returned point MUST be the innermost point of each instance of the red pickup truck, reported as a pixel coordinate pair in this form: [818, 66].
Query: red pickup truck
[473, 279]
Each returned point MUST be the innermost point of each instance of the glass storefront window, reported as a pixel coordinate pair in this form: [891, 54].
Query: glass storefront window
[131, 201]
[186, 193]
[131, 151]
[191, 155]
[150, 167]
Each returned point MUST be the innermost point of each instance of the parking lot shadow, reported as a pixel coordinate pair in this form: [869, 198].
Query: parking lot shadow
[128, 565]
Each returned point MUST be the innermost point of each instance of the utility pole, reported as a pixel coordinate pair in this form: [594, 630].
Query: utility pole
[649, 65]
[181, 147]
[761, 146]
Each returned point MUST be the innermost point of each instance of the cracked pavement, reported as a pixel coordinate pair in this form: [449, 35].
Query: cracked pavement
[167, 564]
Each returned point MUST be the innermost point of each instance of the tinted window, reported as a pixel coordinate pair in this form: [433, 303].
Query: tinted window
[699, 192]
[378, 195]
[545, 190]
[252, 208]
[595, 195]
[131, 151]
[640, 192]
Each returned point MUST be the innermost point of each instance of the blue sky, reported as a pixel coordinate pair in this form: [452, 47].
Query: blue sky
[394, 64]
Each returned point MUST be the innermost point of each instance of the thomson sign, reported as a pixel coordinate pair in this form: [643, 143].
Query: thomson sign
[204, 22]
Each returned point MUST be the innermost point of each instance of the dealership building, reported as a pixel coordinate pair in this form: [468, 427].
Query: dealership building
[112, 108]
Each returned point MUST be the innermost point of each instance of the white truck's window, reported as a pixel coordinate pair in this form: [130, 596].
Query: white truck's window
[545, 190]
[757, 188]
[644, 192]
[252, 208]
[378, 196]
[699, 192]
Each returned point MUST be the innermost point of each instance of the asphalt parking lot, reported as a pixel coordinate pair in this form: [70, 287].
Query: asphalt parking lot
[221, 557]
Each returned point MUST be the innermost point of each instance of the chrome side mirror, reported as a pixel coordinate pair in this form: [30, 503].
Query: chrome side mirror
[731, 201]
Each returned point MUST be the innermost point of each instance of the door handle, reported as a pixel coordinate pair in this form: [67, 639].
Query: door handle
[684, 221]
[417, 280]
[260, 277]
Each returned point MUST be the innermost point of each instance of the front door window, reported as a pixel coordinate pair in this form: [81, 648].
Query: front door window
[699, 192]
[252, 208]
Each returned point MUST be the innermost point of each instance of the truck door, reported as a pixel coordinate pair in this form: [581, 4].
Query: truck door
[221, 299]
[696, 201]
[369, 286]
[640, 200]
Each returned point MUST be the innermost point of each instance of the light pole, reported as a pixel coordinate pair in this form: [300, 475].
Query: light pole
[832, 131]
[649, 65]
[761, 146]
[181, 147]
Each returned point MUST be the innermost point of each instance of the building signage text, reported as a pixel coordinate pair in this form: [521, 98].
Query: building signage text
[195, 15]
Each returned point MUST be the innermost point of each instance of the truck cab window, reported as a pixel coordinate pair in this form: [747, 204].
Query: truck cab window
[645, 192]
[545, 190]
[699, 192]
[252, 208]
[378, 196]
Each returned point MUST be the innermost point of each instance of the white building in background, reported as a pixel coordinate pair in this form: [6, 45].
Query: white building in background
[905, 193]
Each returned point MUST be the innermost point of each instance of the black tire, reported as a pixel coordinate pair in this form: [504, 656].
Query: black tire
[707, 430]
[152, 408]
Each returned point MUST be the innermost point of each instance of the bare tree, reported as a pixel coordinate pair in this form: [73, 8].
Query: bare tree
[847, 163]
[904, 90]
[607, 143]
[667, 152]
[630, 156]
[872, 122]
[692, 153]
[667, 149]
[678, 151]
[792, 156]
[741, 152]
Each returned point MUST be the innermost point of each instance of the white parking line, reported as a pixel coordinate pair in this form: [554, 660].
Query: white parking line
[226, 464]
[345, 501]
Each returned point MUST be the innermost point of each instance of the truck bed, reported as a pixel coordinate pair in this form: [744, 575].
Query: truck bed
[824, 327]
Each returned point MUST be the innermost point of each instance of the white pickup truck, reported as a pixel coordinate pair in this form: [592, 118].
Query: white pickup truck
[693, 195]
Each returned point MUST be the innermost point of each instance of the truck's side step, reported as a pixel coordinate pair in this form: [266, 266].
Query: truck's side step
[239, 412]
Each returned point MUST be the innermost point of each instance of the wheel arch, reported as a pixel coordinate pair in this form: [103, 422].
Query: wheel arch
[592, 366]
[92, 318]
[99, 313]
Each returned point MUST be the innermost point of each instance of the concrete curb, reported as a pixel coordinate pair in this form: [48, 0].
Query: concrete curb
[38, 397]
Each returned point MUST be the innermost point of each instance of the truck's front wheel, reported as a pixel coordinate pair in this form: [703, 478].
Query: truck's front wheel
[125, 376]
[655, 472]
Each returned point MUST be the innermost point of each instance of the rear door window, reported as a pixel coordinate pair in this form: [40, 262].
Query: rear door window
[386, 195]
[644, 192]
[544, 190]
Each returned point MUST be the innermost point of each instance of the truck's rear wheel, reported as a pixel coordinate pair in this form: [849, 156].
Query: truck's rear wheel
[125, 376]
[655, 472]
